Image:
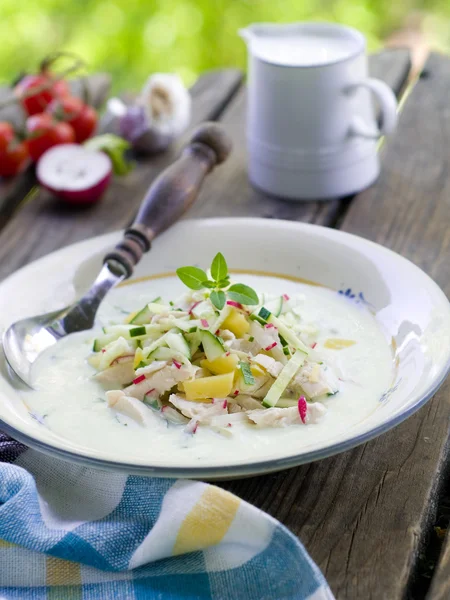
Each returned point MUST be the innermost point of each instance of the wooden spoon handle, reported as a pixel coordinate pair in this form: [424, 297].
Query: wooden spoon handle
[172, 193]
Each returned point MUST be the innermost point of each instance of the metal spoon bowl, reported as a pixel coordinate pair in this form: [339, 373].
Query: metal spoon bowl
[170, 195]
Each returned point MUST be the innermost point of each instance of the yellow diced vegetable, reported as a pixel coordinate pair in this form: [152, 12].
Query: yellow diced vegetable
[138, 357]
[236, 323]
[216, 386]
[338, 344]
[222, 364]
[257, 371]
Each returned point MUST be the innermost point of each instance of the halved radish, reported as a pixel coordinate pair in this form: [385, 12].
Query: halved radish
[74, 173]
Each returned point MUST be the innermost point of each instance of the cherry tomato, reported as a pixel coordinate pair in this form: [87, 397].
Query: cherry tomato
[46, 91]
[61, 88]
[81, 116]
[13, 153]
[43, 132]
[37, 102]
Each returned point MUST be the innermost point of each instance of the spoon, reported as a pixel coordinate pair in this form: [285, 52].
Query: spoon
[170, 195]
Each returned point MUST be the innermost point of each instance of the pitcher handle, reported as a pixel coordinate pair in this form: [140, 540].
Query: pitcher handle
[388, 105]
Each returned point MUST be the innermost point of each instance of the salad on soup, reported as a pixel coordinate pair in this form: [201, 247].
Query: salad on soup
[202, 367]
[217, 355]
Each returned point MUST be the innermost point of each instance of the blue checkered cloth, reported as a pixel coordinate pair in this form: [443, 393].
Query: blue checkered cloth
[73, 533]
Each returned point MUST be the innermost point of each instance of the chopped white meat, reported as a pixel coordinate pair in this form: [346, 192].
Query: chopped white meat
[247, 402]
[234, 408]
[272, 366]
[265, 336]
[223, 420]
[227, 335]
[121, 374]
[282, 417]
[262, 391]
[202, 373]
[316, 382]
[156, 365]
[131, 407]
[244, 346]
[200, 411]
[173, 416]
[161, 381]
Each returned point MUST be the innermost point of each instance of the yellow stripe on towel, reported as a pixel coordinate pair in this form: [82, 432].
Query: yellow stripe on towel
[62, 572]
[208, 521]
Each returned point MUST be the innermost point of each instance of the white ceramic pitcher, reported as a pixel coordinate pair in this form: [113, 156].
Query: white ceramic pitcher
[311, 124]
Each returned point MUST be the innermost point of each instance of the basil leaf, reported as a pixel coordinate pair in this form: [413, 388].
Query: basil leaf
[209, 284]
[192, 277]
[219, 267]
[218, 299]
[247, 373]
[223, 283]
[243, 294]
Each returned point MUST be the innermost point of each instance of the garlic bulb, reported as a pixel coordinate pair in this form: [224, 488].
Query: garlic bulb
[161, 113]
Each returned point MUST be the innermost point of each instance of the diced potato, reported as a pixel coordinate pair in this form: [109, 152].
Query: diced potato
[216, 386]
[236, 323]
[338, 344]
[257, 371]
[222, 364]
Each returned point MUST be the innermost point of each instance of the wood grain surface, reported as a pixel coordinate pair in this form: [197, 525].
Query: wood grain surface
[363, 515]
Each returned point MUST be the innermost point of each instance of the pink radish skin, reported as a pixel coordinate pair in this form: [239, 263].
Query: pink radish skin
[74, 173]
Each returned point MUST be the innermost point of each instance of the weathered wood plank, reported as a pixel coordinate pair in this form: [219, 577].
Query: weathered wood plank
[362, 514]
[229, 192]
[440, 586]
[48, 224]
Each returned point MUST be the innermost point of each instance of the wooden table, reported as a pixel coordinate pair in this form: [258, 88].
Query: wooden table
[366, 515]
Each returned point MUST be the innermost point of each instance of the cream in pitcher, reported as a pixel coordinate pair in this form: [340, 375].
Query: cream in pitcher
[311, 126]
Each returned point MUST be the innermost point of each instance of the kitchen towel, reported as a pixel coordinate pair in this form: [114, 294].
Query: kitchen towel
[69, 532]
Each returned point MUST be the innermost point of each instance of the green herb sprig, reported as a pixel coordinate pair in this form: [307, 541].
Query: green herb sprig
[219, 283]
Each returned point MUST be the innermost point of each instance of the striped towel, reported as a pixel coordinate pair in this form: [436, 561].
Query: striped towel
[73, 533]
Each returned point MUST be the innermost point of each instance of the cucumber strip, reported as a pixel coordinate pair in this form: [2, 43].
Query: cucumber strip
[104, 340]
[283, 379]
[212, 345]
[274, 306]
[288, 335]
[142, 317]
[264, 313]
[177, 342]
[247, 373]
[138, 331]
[183, 324]
[156, 309]
[156, 344]
[115, 331]
[286, 403]
[167, 354]
[257, 318]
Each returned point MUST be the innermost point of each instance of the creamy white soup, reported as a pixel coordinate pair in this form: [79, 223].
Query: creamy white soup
[336, 385]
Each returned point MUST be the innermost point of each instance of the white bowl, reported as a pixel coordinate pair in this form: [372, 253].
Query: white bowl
[410, 308]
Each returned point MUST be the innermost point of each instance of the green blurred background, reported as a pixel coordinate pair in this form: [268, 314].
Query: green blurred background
[132, 38]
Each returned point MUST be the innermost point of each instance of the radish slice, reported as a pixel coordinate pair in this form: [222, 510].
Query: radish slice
[73, 173]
